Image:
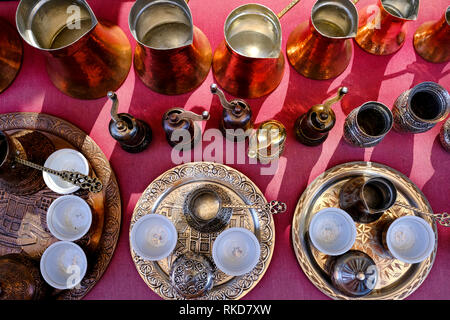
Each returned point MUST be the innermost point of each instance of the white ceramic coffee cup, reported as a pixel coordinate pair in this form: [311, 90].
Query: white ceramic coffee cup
[64, 159]
[410, 239]
[332, 231]
[153, 237]
[69, 218]
[63, 265]
[236, 251]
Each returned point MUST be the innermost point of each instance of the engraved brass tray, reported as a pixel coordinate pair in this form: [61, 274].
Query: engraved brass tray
[166, 195]
[23, 227]
[397, 280]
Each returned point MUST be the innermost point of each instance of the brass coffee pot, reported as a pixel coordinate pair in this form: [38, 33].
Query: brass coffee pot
[385, 33]
[236, 116]
[249, 63]
[181, 130]
[133, 135]
[312, 128]
[321, 48]
[85, 58]
[432, 39]
[172, 55]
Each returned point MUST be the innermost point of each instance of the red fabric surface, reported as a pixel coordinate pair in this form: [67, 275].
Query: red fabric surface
[368, 77]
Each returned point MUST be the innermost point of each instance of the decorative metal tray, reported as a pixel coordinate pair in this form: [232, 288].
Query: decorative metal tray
[166, 194]
[23, 225]
[397, 280]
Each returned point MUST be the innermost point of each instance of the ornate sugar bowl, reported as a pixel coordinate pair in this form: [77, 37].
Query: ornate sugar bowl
[354, 274]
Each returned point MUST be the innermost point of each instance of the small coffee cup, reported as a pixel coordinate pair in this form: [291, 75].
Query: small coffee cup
[236, 251]
[410, 239]
[153, 237]
[68, 160]
[63, 265]
[332, 231]
[69, 218]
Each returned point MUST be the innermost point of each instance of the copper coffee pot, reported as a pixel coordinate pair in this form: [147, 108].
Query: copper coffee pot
[181, 130]
[249, 63]
[85, 58]
[321, 48]
[33, 146]
[133, 135]
[312, 128]
[11, 52]
[172, 55]
[385, 32]
[432, 39]
[236, 116]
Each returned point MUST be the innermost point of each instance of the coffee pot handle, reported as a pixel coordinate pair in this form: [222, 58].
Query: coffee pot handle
[442, 218]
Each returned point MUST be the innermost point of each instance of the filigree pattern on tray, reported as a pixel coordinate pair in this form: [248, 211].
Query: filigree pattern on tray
[166, 194]
[397, 280]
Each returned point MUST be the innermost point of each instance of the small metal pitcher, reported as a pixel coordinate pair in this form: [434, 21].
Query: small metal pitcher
[365, 199]
[382, 28]
[321, 48]
[172, 56]
[432, 39]
[249, 62]
[368, 124]
[421, 108]
[85, 58]
[11, 54]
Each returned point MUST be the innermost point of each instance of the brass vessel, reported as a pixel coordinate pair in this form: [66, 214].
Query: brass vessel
[321, 48]
[385, 33]
[267, 142]
[432, 39]
[86, 58]
[249, 63]
[11, 53]
[172, 56]
[312, 128]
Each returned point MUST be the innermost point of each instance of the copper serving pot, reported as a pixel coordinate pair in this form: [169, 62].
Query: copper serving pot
[172, 56]
[11, 52]
[249, 63]
[382, 28]
[321, 48]
[85, 58]
[432, 39]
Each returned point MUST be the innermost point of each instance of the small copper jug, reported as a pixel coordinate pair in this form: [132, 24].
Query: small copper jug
[181, 130]
[172, 56]
[236, 116]
[419, 109]
[432, 39]
[249, 63]
[20, 278]
[321, 48]
[133, 135]
[312, 128]
[382, 28]
[28, 145]
[85, 58]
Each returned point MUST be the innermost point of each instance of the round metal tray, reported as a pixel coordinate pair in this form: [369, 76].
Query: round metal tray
[166, 195]
[397, 280]
[23, 226]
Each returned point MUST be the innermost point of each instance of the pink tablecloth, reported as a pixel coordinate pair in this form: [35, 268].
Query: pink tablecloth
[420, 157]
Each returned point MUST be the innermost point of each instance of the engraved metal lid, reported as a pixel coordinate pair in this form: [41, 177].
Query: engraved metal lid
[192, 275]
[354, 274]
